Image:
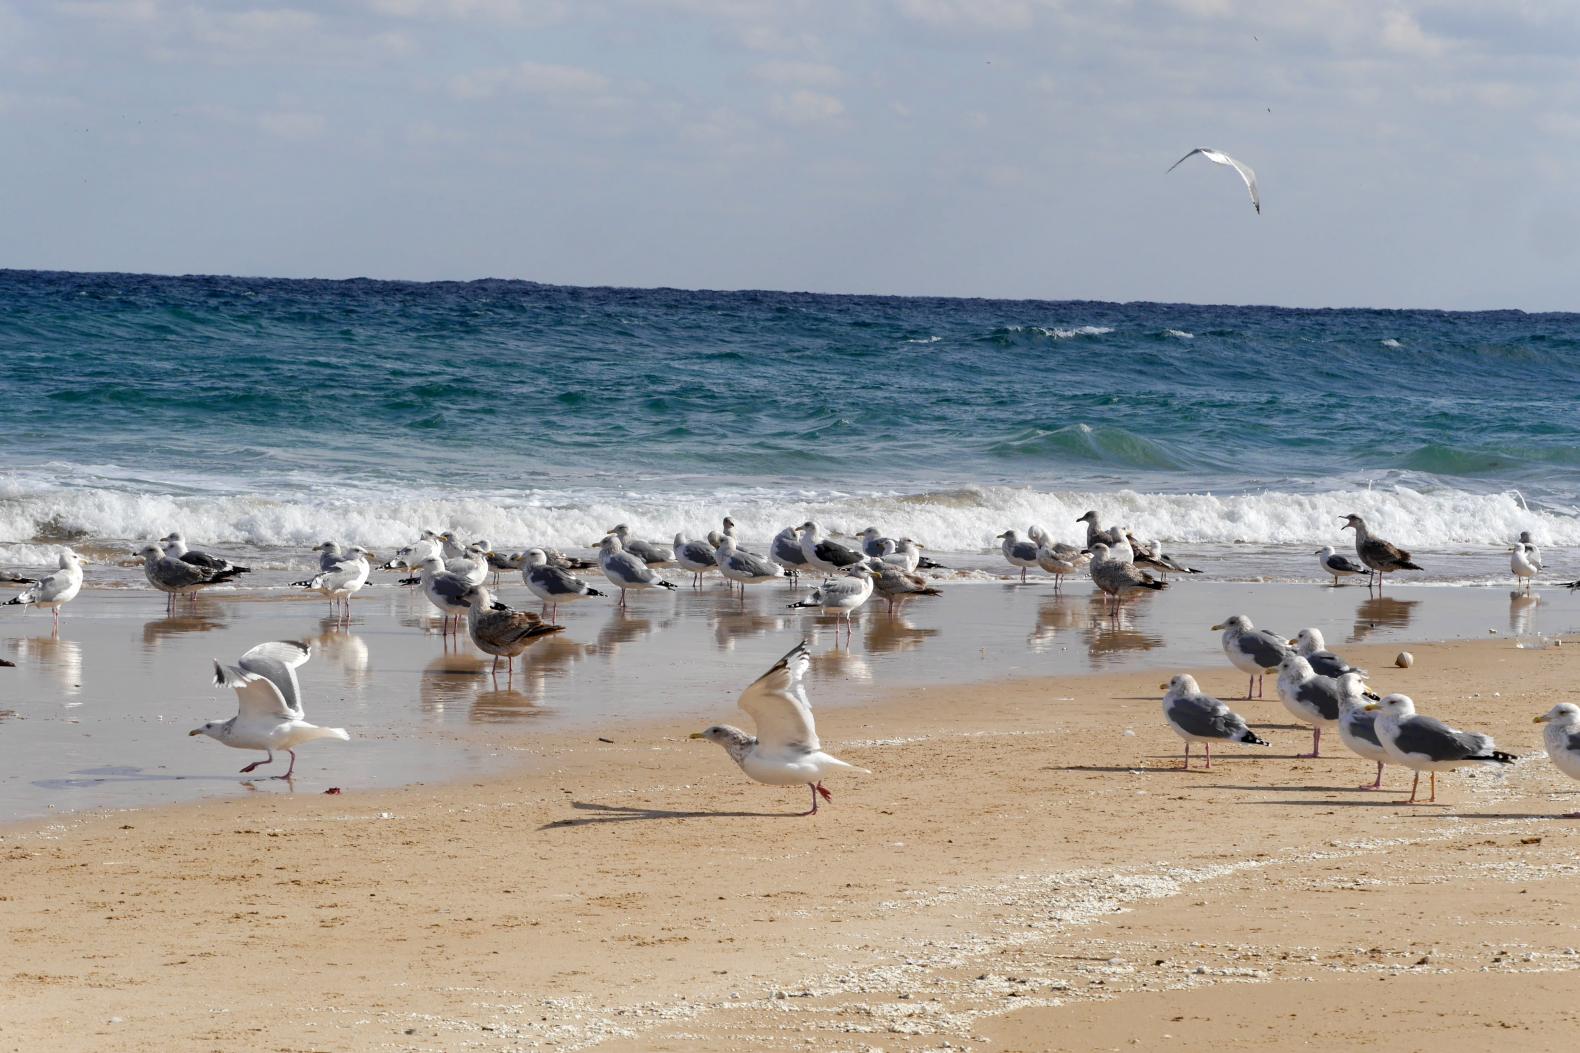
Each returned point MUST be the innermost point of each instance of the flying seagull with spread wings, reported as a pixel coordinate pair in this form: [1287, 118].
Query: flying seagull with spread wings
[1221, 158]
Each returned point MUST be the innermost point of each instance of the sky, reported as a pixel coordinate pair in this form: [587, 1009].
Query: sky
[1409, 154]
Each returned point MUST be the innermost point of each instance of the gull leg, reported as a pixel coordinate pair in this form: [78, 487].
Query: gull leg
[1414, 786]
[259, 763]
[1208, 747]
[622, 599]
[813, 809]
[1186, 765]
[1250, 685]
[1433, 798]
[1377, 783]
[818, 786]
[290, 769]
[1316, 744]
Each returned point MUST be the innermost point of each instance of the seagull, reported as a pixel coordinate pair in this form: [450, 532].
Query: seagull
[1337, 565]
[742, 567]
[1522, 565]
[174, 576]
[175, 544]
[1316, 699]
[785, 750]
[1358, 731]
[1427, 744]
[1096, 534]
[716, 538]
[1252, 651]
[450, 546]
[411, 556]
[1562, 739]
[828, 556]
[872, 542]
[842, 595]
[329, 553]
[345, 578]
[1532, 552]
[894, 582]
[785, 550]
[269, 713]
[470, 566]
[1116, 576]
[625, 570]
[1150, 553]
[503, 633]
[1308, 643]
[1196, 717]
[653, 555]
[553, 585]
[1022, 554]
[55, 591]
[1381, 556]
[696, 556]
[1219, 157]
[449, 592]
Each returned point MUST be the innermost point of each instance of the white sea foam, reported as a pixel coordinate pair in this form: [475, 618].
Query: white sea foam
[1180, 334]
[1391, 342]
[33, 519]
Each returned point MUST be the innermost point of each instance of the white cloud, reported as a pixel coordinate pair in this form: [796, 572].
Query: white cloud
[294, 125]
[787, 72]
[993, 15]
[568, 83]
[1401, 32]
[806, 107]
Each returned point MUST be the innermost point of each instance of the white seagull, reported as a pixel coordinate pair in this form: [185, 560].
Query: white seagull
[57, 590]
[1198, 717]
[1427, 744]
[842, 595]
[786, 750]
[1339, 566]
[269, 716]
[625, 570]
[1562, 739]
[1221, 158]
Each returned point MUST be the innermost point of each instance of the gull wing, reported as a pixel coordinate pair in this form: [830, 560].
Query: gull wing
[1219, 157]
[276, 662]
[777, 702]
[257, 697]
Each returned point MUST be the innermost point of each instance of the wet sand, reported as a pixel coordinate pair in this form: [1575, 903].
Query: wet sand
[1018, 873]
[97, 718]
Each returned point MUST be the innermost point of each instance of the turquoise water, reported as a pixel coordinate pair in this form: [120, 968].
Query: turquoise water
[269, 414]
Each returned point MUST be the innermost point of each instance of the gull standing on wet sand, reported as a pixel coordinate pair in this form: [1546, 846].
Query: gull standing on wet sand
[785, 550]
[1117, 577]
[1198, 717]
[1096, 534]
[895, 583]
[1358, 731]
[842, 595]
[177, 577]
[651, 553]
[344, 579]
[1253, 651]
[55, 591]
[1339, 566]
[1381, 556]
[696, 556]
[449, 592]
[553, 585]
[744, 568]
[1427, 744]
[786, 750]
[828, 556]
[626, 571]
[1022, 554]
[503, 633]
[269, 713]
[175, 545]
[1525, 562]
[1562, 739]
[1057, 557]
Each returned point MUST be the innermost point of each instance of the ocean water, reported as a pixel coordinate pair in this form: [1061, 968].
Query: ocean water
[262, 416]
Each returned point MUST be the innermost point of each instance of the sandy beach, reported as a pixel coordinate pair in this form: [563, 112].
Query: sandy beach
[1024, 870]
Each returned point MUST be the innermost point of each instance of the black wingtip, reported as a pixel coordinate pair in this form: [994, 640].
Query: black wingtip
[594, 592]
[1499, 756]
[1250, 738]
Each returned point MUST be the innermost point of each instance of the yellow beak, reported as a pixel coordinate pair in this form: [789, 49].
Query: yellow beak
[1539, 720]
[1163, 687]
[1294, 643]
[194, 731]
[1217, 627]
[694, 735]
[1372, 708]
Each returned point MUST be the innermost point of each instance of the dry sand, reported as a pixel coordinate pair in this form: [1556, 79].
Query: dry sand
[1018, 874]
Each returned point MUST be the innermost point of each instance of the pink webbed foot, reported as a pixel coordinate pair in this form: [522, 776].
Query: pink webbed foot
[826, 795]
[255, 765]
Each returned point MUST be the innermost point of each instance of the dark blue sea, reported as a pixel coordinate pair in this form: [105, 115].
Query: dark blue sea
[267, 415]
